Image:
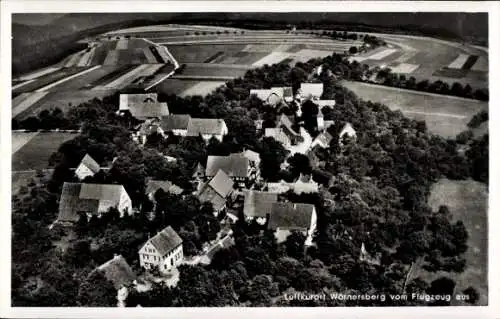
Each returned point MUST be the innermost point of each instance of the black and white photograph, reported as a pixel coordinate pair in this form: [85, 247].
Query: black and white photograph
[248, 158]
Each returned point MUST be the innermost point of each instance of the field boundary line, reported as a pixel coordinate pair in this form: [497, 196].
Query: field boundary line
[22, 84]
[51, 85]
[436, 114]
[418, 92]
[28, 102]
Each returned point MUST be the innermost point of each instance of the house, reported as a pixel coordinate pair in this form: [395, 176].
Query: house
[347, 130]
[279, 135]
[207, 128]
[145, 129]
[164, 251]
[118, 271]
[87, 167]
[304, 184]
[92, 199]
[312, 91]
[286, 124]
[177, 124]
[216, 191]
[252, 156]
[325, 103]
[258, 205]
[364, 256]
[235, 166]
[322, 140]
[143, 106]
[288, 217]
[327, 124]
[274, 96]
[153, 186]
[287, 94]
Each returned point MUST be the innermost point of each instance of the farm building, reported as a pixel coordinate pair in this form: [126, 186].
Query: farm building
[175, 123]
[207, 128]
[286, 124]
[258, 205]
[216, 191]
[312, 91]
[288, 217]
[164, 251]
[235, 166]
[274, 96]
[143, 106]
[322, 140]
[87, 167]
[304, 184]
[153, 186]
[325, 103]
[252, 156]
[92, 199]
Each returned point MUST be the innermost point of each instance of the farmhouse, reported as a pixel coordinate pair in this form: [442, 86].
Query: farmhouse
[235, 166]
[325, 103]
[153, 186]
[87, 167]
[288, 217]
[143, 106]
[164, 251]
[207, 128]
[177, 124]
[216, 191]
[92, 199]
[274, 96]
[311, 91]
[252, 156]
[118, 271]
[258, 205]
[322, 140]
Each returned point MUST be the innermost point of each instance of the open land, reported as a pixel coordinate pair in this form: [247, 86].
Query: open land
[444, 115]
[468, 202]
[36, 152]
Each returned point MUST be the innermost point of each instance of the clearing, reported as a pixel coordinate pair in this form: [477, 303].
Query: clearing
[468, 202]
[444, 115]
[37, 151]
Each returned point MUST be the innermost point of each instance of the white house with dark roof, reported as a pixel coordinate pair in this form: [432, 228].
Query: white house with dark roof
[164, 251]
[91, 199]
[216, 191]
[288, 217]
[143, 106]
[236, 166]
[258, 205]
[87, 167]
[207, 128]
[312, 91]
[177, 124]
[322, 140]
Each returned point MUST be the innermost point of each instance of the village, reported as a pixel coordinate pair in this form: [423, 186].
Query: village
[228, 183]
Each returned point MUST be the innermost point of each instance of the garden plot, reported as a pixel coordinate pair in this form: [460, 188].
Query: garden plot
[272, 58]
[85, 81]
[174, 86]
[20, 84]
[214, 70]
[481, 64]
[202, 88]
[404, 68]
[19, 139]
[63, 101]
[53, 84]
[46, 79]
[38, 74]
[129, 77]
[111, 57]
[306, 55]
[122, 44]
[24, 101]
[459, 61]
[201, 53]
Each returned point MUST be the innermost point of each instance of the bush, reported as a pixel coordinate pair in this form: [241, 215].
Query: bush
[464, 137]
[478, 119]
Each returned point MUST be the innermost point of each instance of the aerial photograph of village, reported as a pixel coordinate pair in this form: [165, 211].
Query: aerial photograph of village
[249, 159]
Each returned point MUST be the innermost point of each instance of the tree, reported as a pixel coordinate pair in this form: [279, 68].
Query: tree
[295, 245]
[96, 291]
[472, 294]
[272, 154]
[353, 50]
[260, 291]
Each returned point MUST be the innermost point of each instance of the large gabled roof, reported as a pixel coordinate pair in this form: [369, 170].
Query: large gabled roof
[311, 89]
[234, 165]
[118, 271]
[258, 203]
[290, 216]
[199, 126]
[166, 240]
[143, 105]
[175, 122]
[167, 186]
